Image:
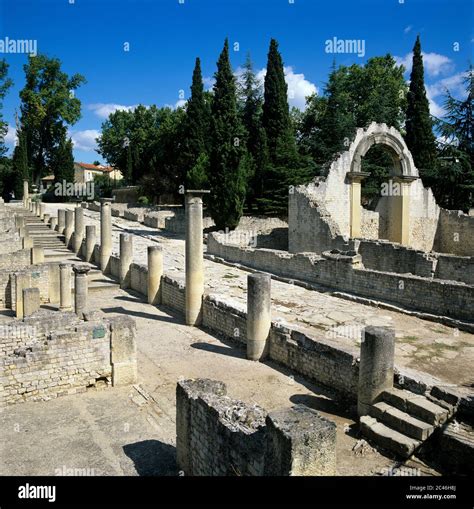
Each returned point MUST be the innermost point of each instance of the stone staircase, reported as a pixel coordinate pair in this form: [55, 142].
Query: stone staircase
[55, 251]
[402, 420]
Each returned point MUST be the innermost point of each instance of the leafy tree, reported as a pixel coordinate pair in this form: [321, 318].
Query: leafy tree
[419, 126]
[227, 171]
[453, 180]
[48, 107]
[5, 84]
[195, 137]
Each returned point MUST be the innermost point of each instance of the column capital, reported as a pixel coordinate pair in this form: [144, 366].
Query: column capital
[81, 269]
[357, 176]
[404, 179]
[106, 200]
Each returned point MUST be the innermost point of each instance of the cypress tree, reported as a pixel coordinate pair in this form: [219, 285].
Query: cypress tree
[276, 114]
[20, 166]
[62, 162]
[196, 133]
[419, 127]
[226, 161]
[255, 134]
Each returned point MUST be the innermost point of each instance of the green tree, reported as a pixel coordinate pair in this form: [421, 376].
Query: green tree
[5, 84]
[251, 111]
[227, 171]
[48, 107]
[195, 137]
[62, 163]
[419, 126]
[20, 165]
[453, 181]
[276, 114]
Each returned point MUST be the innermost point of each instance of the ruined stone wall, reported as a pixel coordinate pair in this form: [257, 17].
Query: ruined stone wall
[173, 293]
[389, 257]
[446, 298]
[320, 212]
[38, 277]
[455, 233]
[37, 364]
[16, 260]
[369, 224]
[218, 435]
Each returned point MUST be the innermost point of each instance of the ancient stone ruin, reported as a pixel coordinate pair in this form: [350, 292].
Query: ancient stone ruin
[344, 335]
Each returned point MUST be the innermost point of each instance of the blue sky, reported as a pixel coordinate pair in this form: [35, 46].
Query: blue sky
[165, 36]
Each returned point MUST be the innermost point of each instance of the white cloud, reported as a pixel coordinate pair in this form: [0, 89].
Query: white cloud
[407, 29]
[434, 63]
[85, 140]
[208, 82]
[103, 110]
[298, 88]
[10, 137]
[436, 91]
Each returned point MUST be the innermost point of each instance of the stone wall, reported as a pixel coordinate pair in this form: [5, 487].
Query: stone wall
[220, 436]
[445, 298]
[390, 257]
[15, 260]
[455, 233]
[37, 364]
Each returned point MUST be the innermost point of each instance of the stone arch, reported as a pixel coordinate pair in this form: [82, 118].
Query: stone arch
[403, 172]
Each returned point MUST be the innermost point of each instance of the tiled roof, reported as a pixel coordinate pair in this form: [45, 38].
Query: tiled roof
[87, 166]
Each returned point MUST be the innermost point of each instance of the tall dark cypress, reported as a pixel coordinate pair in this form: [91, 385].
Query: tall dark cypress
[419, 126]
[276, 114]
[20, 165]
[196, 132]
[62, 162]
[226, 161]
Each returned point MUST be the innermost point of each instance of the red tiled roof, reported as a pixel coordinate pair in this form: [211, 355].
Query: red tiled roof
[87, 166]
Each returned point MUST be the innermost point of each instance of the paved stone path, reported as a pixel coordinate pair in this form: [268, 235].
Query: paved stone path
[441, 351]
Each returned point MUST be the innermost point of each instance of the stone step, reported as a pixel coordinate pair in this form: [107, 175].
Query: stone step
[401, 421]
[387, 438]
[416, 405]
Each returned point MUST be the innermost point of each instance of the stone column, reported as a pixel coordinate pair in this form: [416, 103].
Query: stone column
[61, 221]
[53, 222]
[42, 209]
[46, 219]
[105, 234]
[155, 272]
[37, 255]
[194, 257]
[90, 243]
[69, 228]
[377, 352]
[78, 229]
[400, 210]
[258, 315]
[126, 259]
[80, 288]
[355, 178]
[65, 301]
[31, 301]
[25, 193]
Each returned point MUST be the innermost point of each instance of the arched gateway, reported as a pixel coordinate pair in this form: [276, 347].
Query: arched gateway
[402, 173]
